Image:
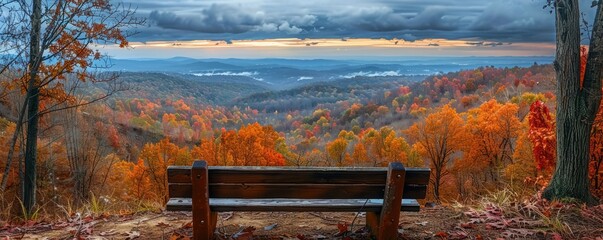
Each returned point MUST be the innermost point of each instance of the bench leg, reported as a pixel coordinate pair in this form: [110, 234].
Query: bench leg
[204, 220]
[213, 217]
[204, 228]
[384, 225]
[372, 223]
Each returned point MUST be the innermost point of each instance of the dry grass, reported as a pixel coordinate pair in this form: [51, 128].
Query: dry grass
[65, 209]
[564, 218]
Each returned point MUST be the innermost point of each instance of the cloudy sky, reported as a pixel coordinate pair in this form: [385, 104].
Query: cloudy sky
[342, 28]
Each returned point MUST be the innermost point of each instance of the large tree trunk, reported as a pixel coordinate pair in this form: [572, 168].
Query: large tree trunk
[33, 91]
[576, 105]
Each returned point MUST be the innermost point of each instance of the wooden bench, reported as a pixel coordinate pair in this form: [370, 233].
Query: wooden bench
[380, 192]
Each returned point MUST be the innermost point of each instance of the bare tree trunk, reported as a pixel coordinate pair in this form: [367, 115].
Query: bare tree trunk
[76, 143]
[11, 150]
[33, 90]
[436, 184]
[576, 106]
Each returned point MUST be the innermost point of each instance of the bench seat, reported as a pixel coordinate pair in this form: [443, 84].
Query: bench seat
[290, 205]
[380, 192]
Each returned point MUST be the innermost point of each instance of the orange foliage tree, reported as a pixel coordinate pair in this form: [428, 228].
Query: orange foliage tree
[439, 137]
[492, 128]
[60, 43]
[7, 129]
[157, 158]
[252, 145]
[133, 180]
[379, 147]
[523, 167]
[337, 151]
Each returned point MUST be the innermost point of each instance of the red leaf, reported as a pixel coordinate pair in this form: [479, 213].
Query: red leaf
[343, 227]
[459, 235]
[496, 225]
[467, 225]
[441, 234]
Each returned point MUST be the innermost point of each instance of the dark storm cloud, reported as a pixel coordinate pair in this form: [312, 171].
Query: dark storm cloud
[218, 18]
[385, 19]
[231, 19]
[476, 20]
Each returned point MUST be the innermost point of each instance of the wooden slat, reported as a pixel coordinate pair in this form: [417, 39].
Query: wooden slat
[308, 191]
[178, 174]
[181, 174]
[292, 205]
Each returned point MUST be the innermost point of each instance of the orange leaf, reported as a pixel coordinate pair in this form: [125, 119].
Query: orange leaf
[442, 234]
[343, 227]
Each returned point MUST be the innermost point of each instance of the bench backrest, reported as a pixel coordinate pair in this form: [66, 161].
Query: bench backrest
[300, 183]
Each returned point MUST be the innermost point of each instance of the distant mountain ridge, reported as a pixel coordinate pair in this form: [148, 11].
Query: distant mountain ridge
[282, 74]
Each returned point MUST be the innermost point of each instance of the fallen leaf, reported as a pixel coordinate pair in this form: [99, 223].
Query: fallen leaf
[476, 220]
[60, 225]
[87, 219]
[162, 225]
[29, 223]
[517, 233]
[178, 236]
[556, 236]
[270, 227]
[441, 234]
[343, 228]
[467, 225]
[132, 235]
[459, 235]
[187, 225]
[494, 211]
[108, 233]
[472, 214]
[422, 223]
[496, 225]
[125, 218]
[227, 215]
[244, 234]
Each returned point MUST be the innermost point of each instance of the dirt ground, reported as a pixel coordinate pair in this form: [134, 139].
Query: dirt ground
[430, 223]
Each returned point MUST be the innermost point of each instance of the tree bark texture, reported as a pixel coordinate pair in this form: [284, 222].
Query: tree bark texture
[33, 90]
[576, 106]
